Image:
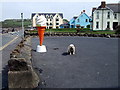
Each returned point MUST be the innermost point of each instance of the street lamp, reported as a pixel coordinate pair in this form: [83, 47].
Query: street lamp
[22, 23]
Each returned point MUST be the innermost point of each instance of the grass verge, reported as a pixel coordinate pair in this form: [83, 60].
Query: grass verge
[73, 30]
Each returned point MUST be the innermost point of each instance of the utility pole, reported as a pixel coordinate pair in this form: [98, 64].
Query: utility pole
[22, 24]
[102, 19]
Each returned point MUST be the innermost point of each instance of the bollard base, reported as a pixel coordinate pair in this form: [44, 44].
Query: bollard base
[41, 49]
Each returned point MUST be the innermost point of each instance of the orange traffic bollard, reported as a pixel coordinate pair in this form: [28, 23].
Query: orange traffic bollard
[41, 30]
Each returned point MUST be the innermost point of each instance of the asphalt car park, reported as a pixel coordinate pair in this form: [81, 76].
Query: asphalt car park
[95, 64]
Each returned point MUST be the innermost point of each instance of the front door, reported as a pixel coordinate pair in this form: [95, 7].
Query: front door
[114, 25]
[72, 26]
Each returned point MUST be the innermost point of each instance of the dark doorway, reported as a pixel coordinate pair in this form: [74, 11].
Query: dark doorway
[57, 27]
[114, 25]
[50, 27]
[72, 26]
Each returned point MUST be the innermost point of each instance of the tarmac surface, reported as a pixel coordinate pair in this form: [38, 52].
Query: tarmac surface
[5, 56]
[95, 64]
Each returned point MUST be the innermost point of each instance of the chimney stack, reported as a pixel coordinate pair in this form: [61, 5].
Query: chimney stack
[103, 4]
[93, 9]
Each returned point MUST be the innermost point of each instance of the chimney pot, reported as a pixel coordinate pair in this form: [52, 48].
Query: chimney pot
[93, 9]
[103, 4]
[83, 10]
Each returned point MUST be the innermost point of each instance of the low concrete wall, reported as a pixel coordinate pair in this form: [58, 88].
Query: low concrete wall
[23, 79]
[21, 73]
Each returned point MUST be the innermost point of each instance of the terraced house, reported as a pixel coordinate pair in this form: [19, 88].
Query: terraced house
[106, 16]
[54, 20]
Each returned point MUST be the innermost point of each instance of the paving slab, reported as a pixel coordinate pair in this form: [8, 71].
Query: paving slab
[95, 64]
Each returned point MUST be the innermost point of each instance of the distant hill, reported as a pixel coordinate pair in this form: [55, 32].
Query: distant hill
[14, 23]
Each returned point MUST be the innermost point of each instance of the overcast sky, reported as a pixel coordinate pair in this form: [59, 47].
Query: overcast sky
[12, 8]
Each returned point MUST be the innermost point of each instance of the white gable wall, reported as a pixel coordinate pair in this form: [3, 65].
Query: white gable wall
[34, 20]
[102, 19]
[54, 21]
[118, 14]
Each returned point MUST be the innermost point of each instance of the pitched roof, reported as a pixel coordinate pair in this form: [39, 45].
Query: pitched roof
[115, 7]
[53, 14]
[64, 25]
[84, 14]
[87, 15]
[99, 8]
[75, 17]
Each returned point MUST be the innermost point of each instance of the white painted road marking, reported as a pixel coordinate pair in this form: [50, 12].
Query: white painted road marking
[1, 48]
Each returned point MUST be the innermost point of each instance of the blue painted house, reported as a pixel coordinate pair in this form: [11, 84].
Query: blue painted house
[72, 22]
[82, 20]
[64, 25]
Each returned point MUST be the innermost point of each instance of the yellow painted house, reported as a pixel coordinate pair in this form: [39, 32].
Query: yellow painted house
[54, 20]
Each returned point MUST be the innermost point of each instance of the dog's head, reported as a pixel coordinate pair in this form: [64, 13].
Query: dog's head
[71, 45]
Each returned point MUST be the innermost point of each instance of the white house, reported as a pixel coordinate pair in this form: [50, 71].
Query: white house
[54, 20]
[106, 16]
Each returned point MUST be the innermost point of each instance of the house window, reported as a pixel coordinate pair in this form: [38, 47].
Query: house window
[82, 26]
[51, 16]
[50, 23]
[57, 19]
[57, 23]
[97, 15]
[108, 24]
[47, 16]
[108, 15]
[89, 20]
[115, 16]
[78, 20]
[86, 20]
[97, 25]
[50, 19]
[50, 27]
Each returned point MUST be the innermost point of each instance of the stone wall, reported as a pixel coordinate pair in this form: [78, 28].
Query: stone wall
[21, 73]
[27, 33]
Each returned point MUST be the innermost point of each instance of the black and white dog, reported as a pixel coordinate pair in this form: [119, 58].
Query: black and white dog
[71, 49]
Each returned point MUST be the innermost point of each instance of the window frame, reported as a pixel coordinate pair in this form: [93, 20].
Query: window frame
[57, 23]
[97, 16]
[97, 25]
[108, 24]
[57, 19]
[115, 16]
[47, 23]
[108, 15]
[51, 16]
[78, 20]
